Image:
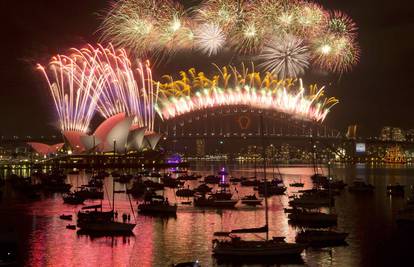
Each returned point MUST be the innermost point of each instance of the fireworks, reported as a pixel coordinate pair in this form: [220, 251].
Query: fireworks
[101, 79]
[209, 38]
[234, 88]
[340, 24]
[287, 57]
[223, 13]
[123, 89]
[311, 19]
[336, 54]
[161, 28]
[145, 26]
[75, 91]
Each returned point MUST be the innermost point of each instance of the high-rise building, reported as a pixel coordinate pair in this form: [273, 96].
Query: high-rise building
[200, 147]
[397, 134]
[385, 134]
[409, 135]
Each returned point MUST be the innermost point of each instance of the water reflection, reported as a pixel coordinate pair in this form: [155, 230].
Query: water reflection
[161, 241]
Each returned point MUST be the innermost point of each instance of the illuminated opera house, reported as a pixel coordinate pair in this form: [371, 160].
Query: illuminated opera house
[115, 133]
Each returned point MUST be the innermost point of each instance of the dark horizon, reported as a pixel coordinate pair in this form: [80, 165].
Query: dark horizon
[374, 94]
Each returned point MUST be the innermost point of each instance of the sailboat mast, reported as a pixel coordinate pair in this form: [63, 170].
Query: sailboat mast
[264, 175]
[113, 182]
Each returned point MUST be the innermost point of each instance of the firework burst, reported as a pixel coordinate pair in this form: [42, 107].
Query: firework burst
[75, 91]
[146, 26]
[229, 87]
[335, 53]
[223, 13]
[311, 19]
[209, 39]
[341, 24]
[287, 57]
[124, 90]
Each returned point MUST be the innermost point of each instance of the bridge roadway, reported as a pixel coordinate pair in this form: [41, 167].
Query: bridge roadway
[286, 137]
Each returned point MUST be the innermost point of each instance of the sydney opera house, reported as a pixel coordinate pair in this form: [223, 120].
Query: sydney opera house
[117, 133]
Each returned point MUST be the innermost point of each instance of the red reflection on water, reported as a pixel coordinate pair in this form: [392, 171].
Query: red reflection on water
[156, 241]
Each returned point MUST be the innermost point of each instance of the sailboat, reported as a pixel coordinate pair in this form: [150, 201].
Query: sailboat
[317, 178]
[93, 220]
[277, 246]
[73, 198]
[103, 221]
[313, 200]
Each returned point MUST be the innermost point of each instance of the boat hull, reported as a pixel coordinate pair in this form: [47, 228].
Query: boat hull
[284, 249]
[107, 227]
[157, 209]
[215, 203]
[321, 238]
[252, 202]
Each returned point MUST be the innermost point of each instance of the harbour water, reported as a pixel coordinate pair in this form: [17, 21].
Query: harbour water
[374, 238]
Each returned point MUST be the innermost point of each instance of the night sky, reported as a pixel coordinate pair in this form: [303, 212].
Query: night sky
[377, 92]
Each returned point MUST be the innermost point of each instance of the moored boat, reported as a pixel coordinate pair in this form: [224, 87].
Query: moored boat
[187, 264]
[321, 237]
[157, 206]
[73, 199]
[88, 192]
[312, 200]
[203, 189]
[103, 222]
[395, 190]
[212, 179]
[251, 200]
[214, 202]
[312, 217]
[66, 217]
[185, 192]
[296, 184]
[252, 248]
[361, 186]
[274, 187]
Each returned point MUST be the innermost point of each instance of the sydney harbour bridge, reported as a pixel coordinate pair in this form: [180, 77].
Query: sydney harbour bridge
[232, 128]
[238, 126]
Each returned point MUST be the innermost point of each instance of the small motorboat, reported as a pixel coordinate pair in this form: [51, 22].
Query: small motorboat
[212, 179]
[249, 182]
[66, 217]
[321, 237]
[360, 186]
[273, 188]
[214, 201]
[296, 184]
[251, 200]
[395, 190]
[71, 226]
[73, 199]
[203, 188]
[235, 180]
[171, 182]
[187, 264]
[303, 217]
[189, 177]
[185, 192]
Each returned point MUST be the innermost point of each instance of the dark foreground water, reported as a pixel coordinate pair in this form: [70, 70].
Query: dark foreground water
[374, 239]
